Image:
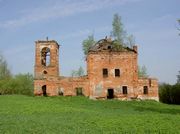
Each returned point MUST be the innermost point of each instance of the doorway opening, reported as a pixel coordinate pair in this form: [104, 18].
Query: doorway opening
[44, 90]
[110, 93]
[79, 91]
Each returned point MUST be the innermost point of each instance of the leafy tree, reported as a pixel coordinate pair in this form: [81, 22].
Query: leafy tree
[120, 34]
[80, 71]
[178, 78]
[24, 83]
[4, 70]
[164, 93]
[77, 73]
[73, 73]
[130, 40]
[118, 31]
[116, 45]
[19, 84]
[169, 94]
[87, 43]
[175, 94]
[142, 71]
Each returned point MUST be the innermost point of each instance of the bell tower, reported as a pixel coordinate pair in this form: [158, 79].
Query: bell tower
[46, 68]
[46, 59]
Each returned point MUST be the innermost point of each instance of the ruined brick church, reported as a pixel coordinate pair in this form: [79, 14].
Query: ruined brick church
[111, 73]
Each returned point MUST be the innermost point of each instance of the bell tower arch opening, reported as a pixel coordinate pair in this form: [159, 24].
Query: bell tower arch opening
[45, 56]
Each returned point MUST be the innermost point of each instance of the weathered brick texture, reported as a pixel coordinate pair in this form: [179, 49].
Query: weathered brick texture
[118, 80]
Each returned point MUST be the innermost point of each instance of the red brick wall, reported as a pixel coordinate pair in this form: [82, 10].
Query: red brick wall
[125, 61]
[94, 84]
[53, 68]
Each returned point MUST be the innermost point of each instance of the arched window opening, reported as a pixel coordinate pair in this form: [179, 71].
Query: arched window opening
[45, 56]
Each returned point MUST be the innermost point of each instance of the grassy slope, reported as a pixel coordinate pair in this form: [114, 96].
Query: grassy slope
[22, 114]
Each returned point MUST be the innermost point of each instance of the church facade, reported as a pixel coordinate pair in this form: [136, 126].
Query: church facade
[111, 73]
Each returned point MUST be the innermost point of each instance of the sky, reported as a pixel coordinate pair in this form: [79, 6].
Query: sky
[152, 22]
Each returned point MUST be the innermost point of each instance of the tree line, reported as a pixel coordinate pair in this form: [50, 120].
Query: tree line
[170, 94]
[14, 84]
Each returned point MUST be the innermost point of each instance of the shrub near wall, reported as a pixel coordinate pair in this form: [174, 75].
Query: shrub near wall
[164, 93]
[19, 84]
[175, 94]
[169, 94]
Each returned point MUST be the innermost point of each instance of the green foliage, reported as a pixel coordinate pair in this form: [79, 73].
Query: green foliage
[87, 43]
[130, 41]
[117, 46]
[121, 39]
[77, 73]
[120, 34]
[118, 31]
[164, 93]
[19, 84]
[74, 73]
[75, 115]
[25, 83]
[142, 71]
[80, 71]
[169, 93]
[4, 70]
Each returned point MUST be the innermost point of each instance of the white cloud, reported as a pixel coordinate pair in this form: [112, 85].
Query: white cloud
[62, 9]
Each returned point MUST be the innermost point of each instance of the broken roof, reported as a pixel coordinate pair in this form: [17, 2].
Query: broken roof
[109, 45]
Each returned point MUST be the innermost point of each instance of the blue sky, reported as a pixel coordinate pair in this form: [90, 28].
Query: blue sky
[152, 22]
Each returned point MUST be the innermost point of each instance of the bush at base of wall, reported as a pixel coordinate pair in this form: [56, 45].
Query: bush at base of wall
[169, 94]
[19, 84]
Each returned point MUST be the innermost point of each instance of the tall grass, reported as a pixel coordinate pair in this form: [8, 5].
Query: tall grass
[22, 114]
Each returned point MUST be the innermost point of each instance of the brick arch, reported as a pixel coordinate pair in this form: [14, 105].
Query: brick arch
[45, 56]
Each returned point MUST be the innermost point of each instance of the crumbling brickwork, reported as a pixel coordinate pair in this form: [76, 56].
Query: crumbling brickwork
[111, 73]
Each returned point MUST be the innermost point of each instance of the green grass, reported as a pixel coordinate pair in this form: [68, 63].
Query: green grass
[23, 114]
